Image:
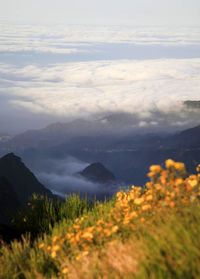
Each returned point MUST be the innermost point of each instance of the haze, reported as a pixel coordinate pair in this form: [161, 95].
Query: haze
[137, 12]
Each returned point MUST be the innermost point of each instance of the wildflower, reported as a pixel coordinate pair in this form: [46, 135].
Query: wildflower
[126, 220]
[178, 181]
[55, 238]
[68, 235]
[138, 201]
[41, 245]
[149, 197]
[53, 254]
[85, 253]
[107, 232]
[146, 207]
[169, 163]
[25, 220]
[87, 235]
[65, 270]
[198, 168]
[133, 214]
[158, 187]
[55, 248]
[172, 204]
[78, 257]
[192, 182]
[114, 229]
[179, 166]
[111, 243]
[155, 168]
[167, 199]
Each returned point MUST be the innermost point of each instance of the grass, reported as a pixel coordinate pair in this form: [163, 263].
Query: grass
[149, 232]
[42, 213]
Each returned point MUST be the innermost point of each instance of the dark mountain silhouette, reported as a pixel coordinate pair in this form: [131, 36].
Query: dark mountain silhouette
[21, 178]
[96, 172]
[9, 202]
[192, 104]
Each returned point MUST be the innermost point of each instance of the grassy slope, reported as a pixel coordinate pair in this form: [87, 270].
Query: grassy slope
[149, 233]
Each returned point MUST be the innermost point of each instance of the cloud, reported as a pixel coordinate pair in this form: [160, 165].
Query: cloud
[62, 179]
[75, 38]
[80, 89]
[41, 73]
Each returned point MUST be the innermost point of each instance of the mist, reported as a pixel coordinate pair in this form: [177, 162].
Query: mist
[63, 178]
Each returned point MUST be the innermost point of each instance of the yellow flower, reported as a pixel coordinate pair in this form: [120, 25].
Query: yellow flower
[198, 168]
[65, 270]
[158, 187]
[149, 197]
[172, 204]
[114, 229]
[146, 207]
[87, 235]
[55, 238]
[133, 214]
[107, 232]
[53, 254]
[193, 182]
[138, 201]
[169, 163]
[41, 245]
[78, 257]
[25, 220]
[155, 168]
[85, 253]
[178, 181]
[55, 248]
[179, 166]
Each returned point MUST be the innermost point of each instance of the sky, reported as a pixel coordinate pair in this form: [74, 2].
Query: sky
[61, 60]
[137, 12]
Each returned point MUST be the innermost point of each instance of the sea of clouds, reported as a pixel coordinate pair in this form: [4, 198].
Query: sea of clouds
[56, 72]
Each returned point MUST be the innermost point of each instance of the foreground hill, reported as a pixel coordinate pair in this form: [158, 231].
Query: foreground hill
[150, 232]
[21, 179]
[9, 202]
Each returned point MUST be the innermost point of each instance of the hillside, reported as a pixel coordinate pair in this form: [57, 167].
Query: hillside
[23, 181]
[150, 232]
[9, 202]
[98, 173]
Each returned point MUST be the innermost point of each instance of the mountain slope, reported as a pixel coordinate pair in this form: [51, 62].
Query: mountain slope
[21, 178]
[9, 202]
[98, 173]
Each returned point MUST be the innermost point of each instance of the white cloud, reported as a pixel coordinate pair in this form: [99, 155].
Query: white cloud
[75, 38]
[81, 88]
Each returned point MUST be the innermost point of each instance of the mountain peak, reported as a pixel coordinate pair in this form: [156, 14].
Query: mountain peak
[11, 156]
[98, 173]
[21, 178]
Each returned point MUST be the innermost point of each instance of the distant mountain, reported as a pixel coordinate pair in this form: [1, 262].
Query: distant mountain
[9, 202]
[96, 172]
[192, 104]
[23, 181]
[52, 135]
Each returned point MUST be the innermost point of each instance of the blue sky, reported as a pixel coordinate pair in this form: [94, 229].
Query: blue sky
[137, 12]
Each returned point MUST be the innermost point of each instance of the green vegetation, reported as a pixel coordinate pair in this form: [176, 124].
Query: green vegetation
[149, 232]
[43, 213]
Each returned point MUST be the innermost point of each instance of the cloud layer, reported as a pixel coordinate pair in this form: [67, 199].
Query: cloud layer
[79, 89]
[68, 72]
